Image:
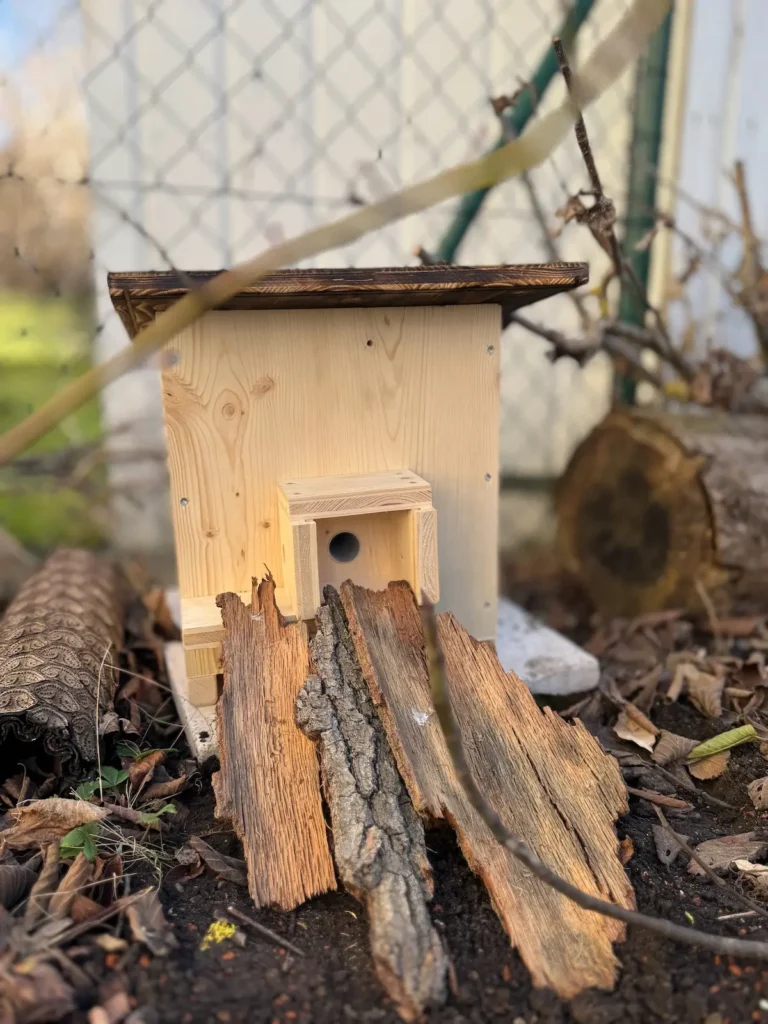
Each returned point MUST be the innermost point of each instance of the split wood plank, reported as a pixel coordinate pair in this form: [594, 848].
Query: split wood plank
[269, 785]
[378, 836]
[549, 781]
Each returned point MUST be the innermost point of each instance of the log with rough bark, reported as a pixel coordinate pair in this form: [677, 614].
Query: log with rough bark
[549, 781]
[57, 640]
[378, 837]
[269, 783]
[655, 509]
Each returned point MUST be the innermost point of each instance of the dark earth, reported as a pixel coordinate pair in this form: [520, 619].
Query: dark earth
[334, 981]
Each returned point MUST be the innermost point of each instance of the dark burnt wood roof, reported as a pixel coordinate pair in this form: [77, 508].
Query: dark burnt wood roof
[139, 297]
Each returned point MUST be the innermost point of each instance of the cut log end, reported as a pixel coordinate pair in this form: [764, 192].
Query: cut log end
[655, 508]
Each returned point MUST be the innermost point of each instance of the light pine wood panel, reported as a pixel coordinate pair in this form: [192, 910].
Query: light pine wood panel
[203, 661]
[386, 549]
[307, 581]
[202, 691]
[322, 497]
[255, 397]
[426, 574]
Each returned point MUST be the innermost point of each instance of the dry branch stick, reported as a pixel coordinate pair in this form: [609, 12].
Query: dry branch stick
[450, 728]
[732, 891]
[600, 219]
[610, 58]
[538, 213]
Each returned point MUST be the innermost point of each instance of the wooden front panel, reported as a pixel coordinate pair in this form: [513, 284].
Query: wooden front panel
[255, 397]
[386, 550]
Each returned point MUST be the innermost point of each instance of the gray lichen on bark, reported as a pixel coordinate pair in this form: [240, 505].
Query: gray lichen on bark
[379, 842]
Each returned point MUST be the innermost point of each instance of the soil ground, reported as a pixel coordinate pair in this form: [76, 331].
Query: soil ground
[334, 982]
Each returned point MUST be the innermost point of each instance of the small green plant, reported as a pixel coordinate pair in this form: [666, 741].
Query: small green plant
[110, 778]
[81, 840]
[152, 817]
[131, 750]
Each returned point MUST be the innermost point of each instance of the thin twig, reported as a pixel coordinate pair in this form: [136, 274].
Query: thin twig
[580, 128]
[265, 933]
[689, 786]
[508, 133]
[600, 218]
[745, 901]
[670, 930]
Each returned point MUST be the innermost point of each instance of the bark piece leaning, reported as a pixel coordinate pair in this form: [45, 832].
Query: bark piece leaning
[549, 781]
[269, 783]
[378, 837]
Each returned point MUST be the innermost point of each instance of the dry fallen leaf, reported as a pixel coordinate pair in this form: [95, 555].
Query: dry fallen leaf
[148, 923]
[80, 872]
[110, 943]
[667, 847]
[44, 887]
[633, 726]
[15, 881]
[671, 747]
[83, 908]
[740, 626]
[162, 790]
[710, 767]
[705, 692]
[41, 821]
[756, 873]
[230, 868]
[758, 793]
[679, 679]
[626, 850]
[721, 853]
[36, 993]
[142, 770]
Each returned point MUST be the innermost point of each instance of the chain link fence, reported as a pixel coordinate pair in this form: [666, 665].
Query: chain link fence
[142, 134]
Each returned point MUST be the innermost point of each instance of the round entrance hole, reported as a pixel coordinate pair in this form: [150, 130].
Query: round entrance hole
[344, 547]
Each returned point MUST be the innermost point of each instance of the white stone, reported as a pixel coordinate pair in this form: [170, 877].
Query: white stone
[544, 659]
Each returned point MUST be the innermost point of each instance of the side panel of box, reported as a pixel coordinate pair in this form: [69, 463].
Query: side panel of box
[253, 397]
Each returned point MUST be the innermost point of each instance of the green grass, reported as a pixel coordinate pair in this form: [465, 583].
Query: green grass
[44, 343]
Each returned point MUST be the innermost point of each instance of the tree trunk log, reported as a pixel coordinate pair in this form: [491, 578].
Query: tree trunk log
[661, 511]
[378, 837]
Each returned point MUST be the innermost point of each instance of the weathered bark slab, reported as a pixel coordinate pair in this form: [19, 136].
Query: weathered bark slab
[269, 783]
[549, 781]
[654, 507]
[57, 640]
[378, 837]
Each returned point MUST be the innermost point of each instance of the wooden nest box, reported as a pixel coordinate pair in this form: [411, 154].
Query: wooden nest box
[334, 424]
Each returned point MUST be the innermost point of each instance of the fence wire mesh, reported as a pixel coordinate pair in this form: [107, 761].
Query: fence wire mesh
[144, 134]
